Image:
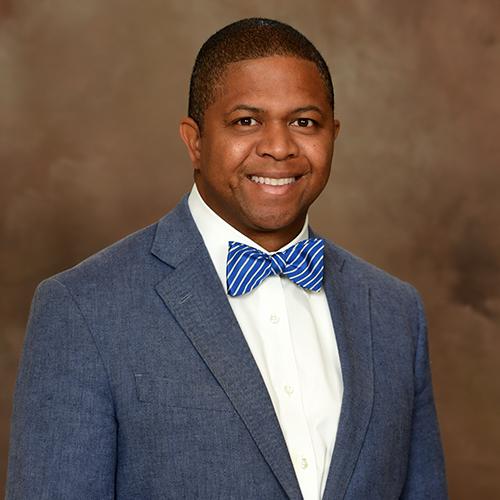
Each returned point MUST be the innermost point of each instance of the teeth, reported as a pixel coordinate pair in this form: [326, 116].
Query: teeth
[272, 182]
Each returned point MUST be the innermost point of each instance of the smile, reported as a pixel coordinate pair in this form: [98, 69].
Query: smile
[270, 181]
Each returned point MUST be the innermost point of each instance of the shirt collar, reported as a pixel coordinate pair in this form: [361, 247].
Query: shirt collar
[216, 233]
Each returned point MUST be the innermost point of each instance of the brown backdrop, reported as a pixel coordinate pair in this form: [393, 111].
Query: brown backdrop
[90, 96]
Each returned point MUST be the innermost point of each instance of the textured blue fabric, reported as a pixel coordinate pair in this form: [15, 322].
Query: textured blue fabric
[137, 383]
[248, 267]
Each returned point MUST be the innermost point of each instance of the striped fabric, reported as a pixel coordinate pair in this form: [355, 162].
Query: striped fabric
[248, 267]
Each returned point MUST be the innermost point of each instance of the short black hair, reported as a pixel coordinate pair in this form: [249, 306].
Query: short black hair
[250, 38]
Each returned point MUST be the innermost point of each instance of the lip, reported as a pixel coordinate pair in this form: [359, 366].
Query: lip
[276, 175]
[273, 181]
[280, 174]
[275, 189]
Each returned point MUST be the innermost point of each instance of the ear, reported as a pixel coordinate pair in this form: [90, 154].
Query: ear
[190, 134]
[336, 129]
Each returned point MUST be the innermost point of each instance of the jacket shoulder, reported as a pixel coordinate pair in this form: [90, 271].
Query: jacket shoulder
[359, 270]
[120, 261]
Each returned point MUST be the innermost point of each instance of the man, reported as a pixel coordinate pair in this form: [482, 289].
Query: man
[153, 371]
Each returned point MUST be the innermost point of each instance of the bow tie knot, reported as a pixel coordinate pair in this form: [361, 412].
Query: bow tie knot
[277, 265]
[248, 267]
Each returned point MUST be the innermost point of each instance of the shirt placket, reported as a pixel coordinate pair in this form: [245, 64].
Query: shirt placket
[287, 391]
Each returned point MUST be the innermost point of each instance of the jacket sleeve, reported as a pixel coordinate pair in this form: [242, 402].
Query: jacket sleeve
[63, 433]
[426, 477]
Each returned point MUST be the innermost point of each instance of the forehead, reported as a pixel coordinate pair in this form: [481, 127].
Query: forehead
[273, 80]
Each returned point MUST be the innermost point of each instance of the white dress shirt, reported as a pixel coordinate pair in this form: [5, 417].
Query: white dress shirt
[290, 333]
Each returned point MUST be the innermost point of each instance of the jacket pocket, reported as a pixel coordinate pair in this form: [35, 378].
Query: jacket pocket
[181, 393]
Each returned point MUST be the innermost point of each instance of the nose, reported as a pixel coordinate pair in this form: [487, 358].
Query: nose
[277, 142]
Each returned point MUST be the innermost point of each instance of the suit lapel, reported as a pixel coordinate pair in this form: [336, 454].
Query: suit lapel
[194, 295]
[349, 301]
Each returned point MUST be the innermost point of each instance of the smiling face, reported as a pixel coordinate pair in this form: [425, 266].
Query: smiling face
[265, 152]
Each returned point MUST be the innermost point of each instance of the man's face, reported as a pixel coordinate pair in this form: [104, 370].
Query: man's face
[266, 148]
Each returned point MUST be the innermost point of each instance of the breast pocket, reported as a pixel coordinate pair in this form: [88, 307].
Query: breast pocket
[187, 394]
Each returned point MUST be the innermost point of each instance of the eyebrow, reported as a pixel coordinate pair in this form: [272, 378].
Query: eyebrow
[308, 108]
[243, 107]
[253, 109]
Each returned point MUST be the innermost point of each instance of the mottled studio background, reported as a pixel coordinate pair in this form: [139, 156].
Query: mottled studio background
[91, 93]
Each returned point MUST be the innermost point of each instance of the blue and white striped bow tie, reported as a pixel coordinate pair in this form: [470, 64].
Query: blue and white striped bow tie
[248, 267]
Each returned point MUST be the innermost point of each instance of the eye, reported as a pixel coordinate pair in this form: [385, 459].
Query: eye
[303, 122]
[246, 121]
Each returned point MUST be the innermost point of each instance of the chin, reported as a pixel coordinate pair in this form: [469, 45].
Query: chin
[276, 222]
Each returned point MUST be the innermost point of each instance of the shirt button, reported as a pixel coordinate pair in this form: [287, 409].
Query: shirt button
[274, 318]
[288, 389]
[303, 463]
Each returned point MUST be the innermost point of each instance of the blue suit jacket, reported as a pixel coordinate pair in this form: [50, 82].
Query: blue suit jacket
[136, 383]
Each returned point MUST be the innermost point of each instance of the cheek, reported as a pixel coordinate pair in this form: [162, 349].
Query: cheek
[227, 155]
[319, 155]
[237, 151]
